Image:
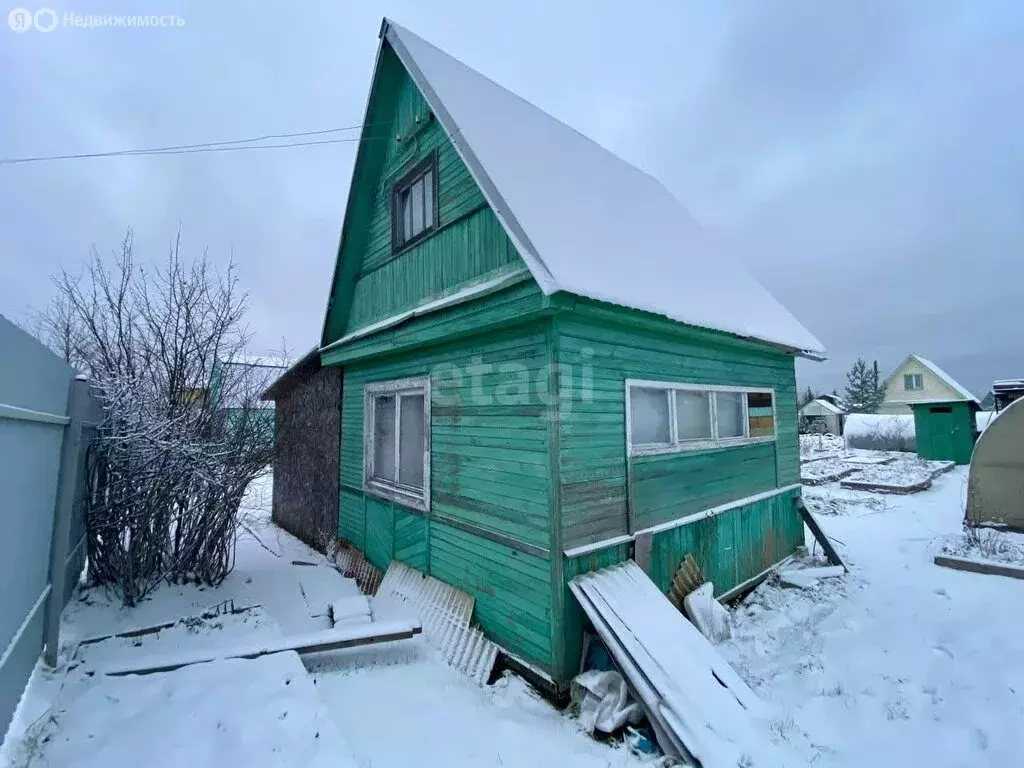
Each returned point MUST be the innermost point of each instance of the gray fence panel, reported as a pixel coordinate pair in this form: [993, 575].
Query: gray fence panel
[35, 386]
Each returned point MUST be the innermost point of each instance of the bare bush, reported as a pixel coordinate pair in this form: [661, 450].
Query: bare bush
[170, 464]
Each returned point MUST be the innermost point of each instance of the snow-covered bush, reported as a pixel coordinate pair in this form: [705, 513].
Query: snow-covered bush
[880, 432]
[168, 467]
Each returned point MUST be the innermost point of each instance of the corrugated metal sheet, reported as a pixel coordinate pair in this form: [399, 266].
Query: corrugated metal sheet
[699, 706]
[351, 562]
[445, 613]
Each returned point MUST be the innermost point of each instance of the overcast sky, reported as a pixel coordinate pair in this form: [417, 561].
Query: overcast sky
[868, 155]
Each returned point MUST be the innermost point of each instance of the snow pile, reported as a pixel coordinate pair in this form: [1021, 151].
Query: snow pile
[880, 432]
[258, 713]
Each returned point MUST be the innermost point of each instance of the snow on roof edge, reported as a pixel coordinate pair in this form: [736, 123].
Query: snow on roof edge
[827, 405]
[949, 380]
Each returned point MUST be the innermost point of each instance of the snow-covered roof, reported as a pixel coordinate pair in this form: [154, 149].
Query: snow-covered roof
[826, 405]
[584, 220]
[950, 381]
[1002, 385]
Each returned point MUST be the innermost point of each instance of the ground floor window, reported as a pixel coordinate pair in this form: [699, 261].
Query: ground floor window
[666, 416]
[396, 443]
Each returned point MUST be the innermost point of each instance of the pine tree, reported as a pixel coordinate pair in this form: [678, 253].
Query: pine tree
[863, 392]
[806, 397]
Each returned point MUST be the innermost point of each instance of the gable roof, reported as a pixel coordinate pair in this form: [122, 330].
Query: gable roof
[946, 378]
[583, 220]
[826, 405]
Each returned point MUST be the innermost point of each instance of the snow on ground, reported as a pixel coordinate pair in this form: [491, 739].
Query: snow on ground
[987, 544]
[820, 446]
[258, 712]
[905, 469]
[405, 709]
[827, 462]
[900, 662]
[392, 704]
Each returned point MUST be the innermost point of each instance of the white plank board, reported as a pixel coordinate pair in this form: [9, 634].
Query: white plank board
[683, 680]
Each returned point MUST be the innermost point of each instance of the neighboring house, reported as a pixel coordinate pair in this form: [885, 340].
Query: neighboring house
[547, 367]
[824, 412]
[1006, 391]
[306, 449]
[834, 400]
[237, 384]
[917, 380]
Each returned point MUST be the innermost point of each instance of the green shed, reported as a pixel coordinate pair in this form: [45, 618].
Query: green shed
[946, 429]
[547, 366]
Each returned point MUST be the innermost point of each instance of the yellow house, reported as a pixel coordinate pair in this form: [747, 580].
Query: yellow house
[917, 380]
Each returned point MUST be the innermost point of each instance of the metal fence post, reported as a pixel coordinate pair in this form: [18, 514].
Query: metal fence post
[78, 394]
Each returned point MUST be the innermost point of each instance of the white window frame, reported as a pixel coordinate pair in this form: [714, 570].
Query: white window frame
[403, 494]
[675, 445]
[914, 378]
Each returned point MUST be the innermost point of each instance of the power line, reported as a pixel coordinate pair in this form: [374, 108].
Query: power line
[211, 146]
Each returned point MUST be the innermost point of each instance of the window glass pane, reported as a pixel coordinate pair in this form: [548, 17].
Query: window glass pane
[406, 215]
[648, 415]
[416, 194]
[908, 381]
[693, 415]
[760, 417]
[428, 199]
[730, 414]
[384, 437]
[411, 445]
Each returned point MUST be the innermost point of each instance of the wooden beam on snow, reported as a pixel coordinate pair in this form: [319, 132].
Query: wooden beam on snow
[808, 518]
[318, 642]
[979, 566]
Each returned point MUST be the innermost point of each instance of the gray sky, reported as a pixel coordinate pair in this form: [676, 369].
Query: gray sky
[868, 155]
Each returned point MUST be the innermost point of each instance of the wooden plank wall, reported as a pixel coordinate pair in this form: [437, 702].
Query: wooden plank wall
[597, 349]
[488, 530]
[470, 242]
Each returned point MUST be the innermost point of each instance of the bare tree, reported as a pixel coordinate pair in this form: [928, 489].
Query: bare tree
[170, 463]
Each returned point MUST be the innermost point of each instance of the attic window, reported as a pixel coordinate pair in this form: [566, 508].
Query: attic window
[414, 204]
[913, 381]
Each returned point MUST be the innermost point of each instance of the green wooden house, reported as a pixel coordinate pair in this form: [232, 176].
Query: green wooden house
[547, 366]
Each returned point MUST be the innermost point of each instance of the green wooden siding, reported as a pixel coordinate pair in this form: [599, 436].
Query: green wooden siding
[598, 348]
[507, 307]
[945, 431]
[573, 620]
[731, 547]
[512, 589]
[490, 475]
[672, 485]
[469, 244]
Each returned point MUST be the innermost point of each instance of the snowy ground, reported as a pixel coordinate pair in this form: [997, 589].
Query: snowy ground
[899, 663]
[388, 705]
